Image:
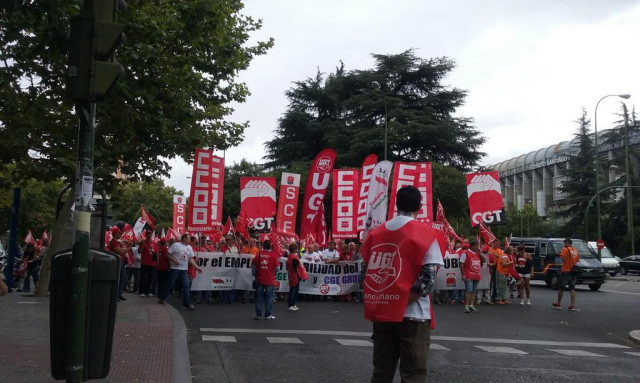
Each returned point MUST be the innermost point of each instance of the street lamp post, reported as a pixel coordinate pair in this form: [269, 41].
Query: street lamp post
[376, 85]
[597, 149]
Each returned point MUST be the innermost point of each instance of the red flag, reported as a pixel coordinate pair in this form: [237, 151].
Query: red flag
[507, 240]
[128, 236]
[317, 184]
[276, 243]
[228, 227]
[485, 233]
[29, 238]
[147, 217]
[108, 235]
[241, 225]
[319, 226]
[448, 229]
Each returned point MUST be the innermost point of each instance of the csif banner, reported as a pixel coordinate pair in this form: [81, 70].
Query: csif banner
[179, 213]
[345, 203]
[258, 202]
[314, 192]
[485, 199]
[417, 174]
[288, 203]
[365, 177]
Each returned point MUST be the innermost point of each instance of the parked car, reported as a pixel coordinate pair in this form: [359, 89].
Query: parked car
[630, 264]
[609, 262]
[547, 263]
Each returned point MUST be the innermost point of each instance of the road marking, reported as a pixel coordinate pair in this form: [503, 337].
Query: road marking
[502, 350]
[434, 338]
[619, 292]
[576, 353]
[438, 347]
[28, 303]
[633, 353]
[354, 342]
[278, 339]
[219, 338]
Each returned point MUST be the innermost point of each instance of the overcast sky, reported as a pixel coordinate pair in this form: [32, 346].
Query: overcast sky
[528, 66]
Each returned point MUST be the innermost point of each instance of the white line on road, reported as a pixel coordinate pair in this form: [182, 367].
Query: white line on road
[213, 338]
[435, 338]
[619, 292]
[502, 350]
[438, 347]
[633, 353]
[576, 353]
[279, 339]
[354, 342]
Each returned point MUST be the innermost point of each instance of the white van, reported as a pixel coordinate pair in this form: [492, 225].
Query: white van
[609, 262]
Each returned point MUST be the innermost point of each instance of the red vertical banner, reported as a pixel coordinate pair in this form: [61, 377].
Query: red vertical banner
[201, 196]
[485, 199]
[288, 203]
[363, 185]
[417, 174]
[179, 213]
[258, 201]
[345, 203]
[217, 189]
[317, 184]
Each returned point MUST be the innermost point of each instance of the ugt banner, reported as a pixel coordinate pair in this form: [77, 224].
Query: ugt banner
[258, 201]
[200, 201]
[345, 203]
[417, 174]
[485, 199]
[179, 212]
[288, 203]
[317, 184]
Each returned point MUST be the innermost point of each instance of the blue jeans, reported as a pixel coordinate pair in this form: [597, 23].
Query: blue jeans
[293, 295]
[264, 293]
[123, 278]
[31, 273]
[457, 295]
[183, 278]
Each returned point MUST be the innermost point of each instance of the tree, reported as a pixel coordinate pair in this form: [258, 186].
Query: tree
[579, 183]
[345, 112]
[181, 59]
[155, 196]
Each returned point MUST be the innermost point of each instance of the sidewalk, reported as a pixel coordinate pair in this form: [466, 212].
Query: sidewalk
[149, 345]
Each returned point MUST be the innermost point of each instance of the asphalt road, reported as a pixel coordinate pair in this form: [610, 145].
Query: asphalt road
[329, 341]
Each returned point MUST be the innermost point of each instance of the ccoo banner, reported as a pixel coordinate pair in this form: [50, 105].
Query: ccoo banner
[200, 201]
[217, 189]
[258, 201]
[345, 203]
[365, 178]
[485, 199]
[417, 174]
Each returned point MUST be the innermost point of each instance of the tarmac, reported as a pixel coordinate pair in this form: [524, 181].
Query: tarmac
[149, 342]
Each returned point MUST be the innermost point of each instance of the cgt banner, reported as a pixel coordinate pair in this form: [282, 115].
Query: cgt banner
[417, 174]
[485, 199]
[201, 200]
[317, 184]
[345, 203]
[179, 213]
[288, 203]
[258, 201]
[233, 272]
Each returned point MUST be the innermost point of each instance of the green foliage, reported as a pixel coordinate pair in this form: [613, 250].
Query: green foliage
[37, 206]
[154, 196]
[579, 185]
[181, 58]
[450, 187]
[524, 222]
[345, 112]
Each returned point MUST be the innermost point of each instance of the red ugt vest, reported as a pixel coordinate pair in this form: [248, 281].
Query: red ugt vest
[292, 273]
[472, 266]
[394, 260]
[266, 263]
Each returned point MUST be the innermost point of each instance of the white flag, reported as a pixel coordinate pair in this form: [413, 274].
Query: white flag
[378, 197]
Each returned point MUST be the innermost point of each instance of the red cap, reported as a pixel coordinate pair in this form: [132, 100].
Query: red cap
[485, 249]
[116, 230]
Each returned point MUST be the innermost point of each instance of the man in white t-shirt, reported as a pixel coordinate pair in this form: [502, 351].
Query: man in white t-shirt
[330, 255]
[181, 255]
[312, 253]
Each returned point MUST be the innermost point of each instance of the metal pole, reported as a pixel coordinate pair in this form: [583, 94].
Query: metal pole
[629, 194]
[386, 125]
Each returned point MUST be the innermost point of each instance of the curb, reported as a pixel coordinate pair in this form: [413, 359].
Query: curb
[180, 348]
[635, 336]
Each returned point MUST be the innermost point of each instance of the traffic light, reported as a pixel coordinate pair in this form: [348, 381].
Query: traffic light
[95, 36]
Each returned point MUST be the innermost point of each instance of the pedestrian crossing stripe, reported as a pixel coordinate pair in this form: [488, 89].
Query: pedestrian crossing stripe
[354, 342]
[219, 338]
[576, 353]
[502, 350]
[278, 339]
